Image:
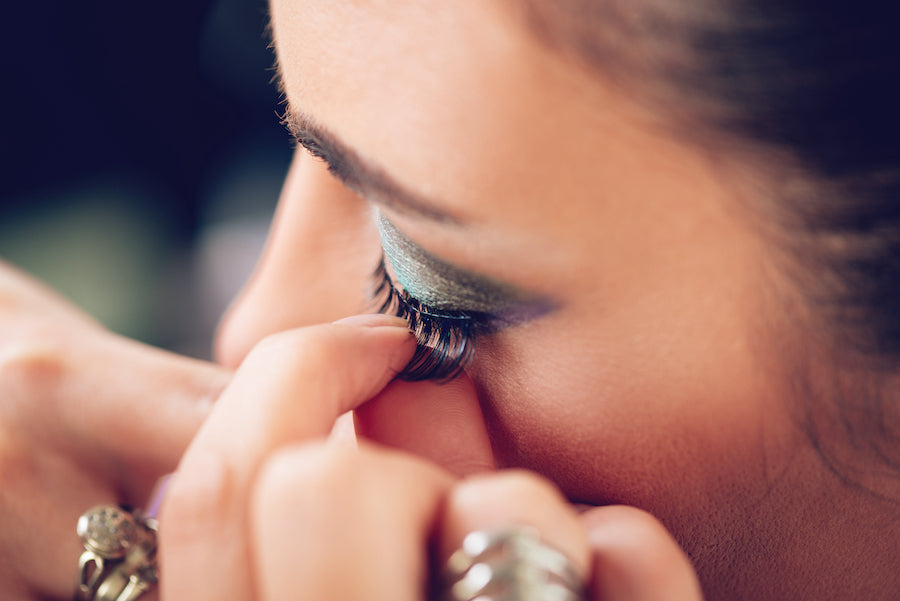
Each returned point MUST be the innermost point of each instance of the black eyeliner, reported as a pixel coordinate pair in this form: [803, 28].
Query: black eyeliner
[445, 340]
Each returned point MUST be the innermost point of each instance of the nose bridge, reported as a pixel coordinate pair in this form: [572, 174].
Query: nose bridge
[316, 267]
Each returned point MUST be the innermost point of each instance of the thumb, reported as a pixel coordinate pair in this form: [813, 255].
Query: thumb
[636, 559]
[439, 422]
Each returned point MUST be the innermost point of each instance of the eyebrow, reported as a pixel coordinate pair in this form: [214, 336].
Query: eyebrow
[358, 174]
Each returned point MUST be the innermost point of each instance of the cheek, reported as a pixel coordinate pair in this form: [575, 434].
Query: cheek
[699, 452]
[316, 267]
[678, 428]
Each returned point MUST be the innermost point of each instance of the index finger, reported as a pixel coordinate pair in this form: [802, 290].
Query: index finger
[290, 388]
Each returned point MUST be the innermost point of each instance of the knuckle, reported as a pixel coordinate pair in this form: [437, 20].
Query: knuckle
[645, 530]
[30, 371]
[630, 542]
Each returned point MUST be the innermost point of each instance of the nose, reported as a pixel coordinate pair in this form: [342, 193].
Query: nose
[316, 267]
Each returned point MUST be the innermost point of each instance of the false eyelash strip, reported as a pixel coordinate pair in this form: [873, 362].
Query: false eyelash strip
[445, 340]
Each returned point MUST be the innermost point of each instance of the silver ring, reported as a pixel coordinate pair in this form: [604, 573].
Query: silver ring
[119, 558]
[509, 565]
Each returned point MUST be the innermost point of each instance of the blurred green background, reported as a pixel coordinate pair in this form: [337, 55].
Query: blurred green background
[141, 156]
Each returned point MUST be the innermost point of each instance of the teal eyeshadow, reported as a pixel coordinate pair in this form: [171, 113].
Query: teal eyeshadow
[443, 286]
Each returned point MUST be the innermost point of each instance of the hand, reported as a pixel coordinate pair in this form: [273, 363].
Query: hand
[86, 418]
[265, 507]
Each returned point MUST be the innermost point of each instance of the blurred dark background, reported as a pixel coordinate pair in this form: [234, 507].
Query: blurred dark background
[141, 156]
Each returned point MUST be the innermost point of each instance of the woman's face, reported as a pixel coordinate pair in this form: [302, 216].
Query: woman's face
[649, 381]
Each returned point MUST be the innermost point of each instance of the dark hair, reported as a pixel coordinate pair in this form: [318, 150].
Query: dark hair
[820, 79]
[815, 81]
[812, 87]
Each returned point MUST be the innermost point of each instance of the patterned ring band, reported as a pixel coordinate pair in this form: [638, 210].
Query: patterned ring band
[509, 565]
[119, 558]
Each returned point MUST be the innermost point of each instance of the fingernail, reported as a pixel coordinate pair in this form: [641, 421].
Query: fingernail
[374, 320]
[151, 510]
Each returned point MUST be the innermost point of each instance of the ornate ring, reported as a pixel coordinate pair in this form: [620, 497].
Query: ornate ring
[119, 558]
[509, 565]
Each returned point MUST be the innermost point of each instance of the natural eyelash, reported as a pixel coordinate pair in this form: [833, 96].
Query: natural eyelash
[445, 340]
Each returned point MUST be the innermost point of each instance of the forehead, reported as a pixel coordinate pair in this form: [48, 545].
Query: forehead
[439, 93]
[419, 42]
[461, 103]
[421, 60]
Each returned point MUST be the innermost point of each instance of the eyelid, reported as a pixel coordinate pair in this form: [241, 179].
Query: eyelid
[445, 341]
[446, 287]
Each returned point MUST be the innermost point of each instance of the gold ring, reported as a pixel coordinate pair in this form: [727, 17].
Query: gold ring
[119, 558]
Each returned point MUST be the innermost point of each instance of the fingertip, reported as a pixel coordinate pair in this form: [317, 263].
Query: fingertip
[235, 341]
[327, 348]
[636, 558]
[515, 498]
[296, 383]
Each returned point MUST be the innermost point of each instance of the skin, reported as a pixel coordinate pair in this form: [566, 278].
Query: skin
[655, 383]
[654, 392]
[82, 438]
[87, 418]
